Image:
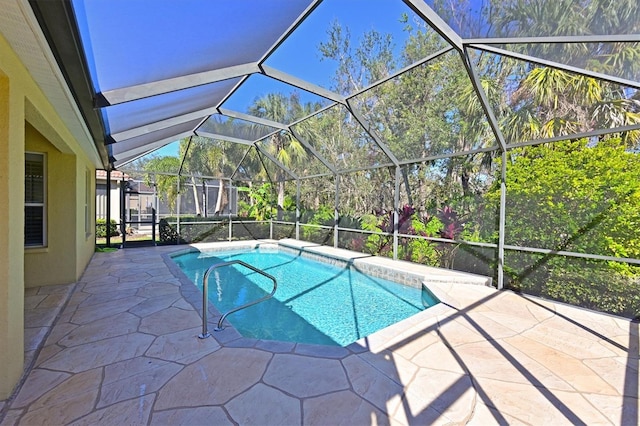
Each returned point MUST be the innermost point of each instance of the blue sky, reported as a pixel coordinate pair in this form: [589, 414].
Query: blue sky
[298, 55]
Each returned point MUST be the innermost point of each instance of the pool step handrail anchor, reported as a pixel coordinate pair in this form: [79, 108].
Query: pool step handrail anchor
[205, 295]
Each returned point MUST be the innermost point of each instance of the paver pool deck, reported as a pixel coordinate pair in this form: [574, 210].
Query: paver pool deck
[120, 347]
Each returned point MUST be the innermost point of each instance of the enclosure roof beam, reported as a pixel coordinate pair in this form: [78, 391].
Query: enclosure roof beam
[302, 84]
[311, 149]
[553, 64]
[402, 71]
[484, 100]
[129, 155]
[421, 8]
[163, 124]
[223, 137]
[276, 161]
[590, 134]
[312, 6]
[371, 132]
[141, 91]
[603, 38]
[252, 118]
[184, 156]
[241, 161]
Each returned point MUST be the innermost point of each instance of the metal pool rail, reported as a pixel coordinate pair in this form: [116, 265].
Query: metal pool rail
[205, 295]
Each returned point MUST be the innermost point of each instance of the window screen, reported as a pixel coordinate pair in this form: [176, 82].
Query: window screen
[34, 200]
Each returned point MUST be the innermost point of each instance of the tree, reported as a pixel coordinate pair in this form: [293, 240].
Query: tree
[282, 145]
[166, 184]
[577, 196]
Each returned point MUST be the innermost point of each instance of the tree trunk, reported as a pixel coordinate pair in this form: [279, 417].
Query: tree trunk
[280, 199]
[196, 198]
[221, 201]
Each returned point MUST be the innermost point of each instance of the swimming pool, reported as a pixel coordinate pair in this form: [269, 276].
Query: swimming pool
[315, 302]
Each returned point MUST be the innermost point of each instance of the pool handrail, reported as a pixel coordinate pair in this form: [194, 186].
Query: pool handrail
[205, 295]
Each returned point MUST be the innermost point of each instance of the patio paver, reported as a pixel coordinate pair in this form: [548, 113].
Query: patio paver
[125, 351]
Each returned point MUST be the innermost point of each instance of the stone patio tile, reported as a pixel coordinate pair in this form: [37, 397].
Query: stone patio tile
[46, 353]
[133, 412]
[450, 394]
[336, 352]
[618, 375]
[191, 416]
[621, 411]
[568, 342]
[568, 368]
[413, 340]
[102, 294]
[12, 417]
[510, 303]
[268, 407]
[77, 298]
[485, 324]
[170, 320]
[156, 289]
[31, 291]
[37, 384]
[462, 295]
[128, 270]
[101, 281]
[393, 366]
[70, 400]
[41, 317]
[501, 361]
[341, 408]
[372, 385]
[56, 289]
[182, 304]
[438, 356]
[33, 337]
[215, 379]
[134, 378]
[85, 315]
[184, 346]
[117, 325]
[305, 376]
[54, 300]
[60, 330]
[540, 406]
[484, 415]
[516, 323]
[154, 304]
[275, 346]
[32, 302]
[100, 353]
[457, 331]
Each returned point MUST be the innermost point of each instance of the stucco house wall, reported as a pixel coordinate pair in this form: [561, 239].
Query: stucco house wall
[29, 122]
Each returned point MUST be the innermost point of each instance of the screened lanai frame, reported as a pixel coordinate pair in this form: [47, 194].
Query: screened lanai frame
[155, 134]
[462, 47]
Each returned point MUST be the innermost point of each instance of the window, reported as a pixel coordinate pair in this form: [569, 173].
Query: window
[87, 206]
[34, 200]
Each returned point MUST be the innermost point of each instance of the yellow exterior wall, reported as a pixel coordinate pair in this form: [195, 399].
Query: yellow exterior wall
[69, 246]
[11, 235]
[53, 264]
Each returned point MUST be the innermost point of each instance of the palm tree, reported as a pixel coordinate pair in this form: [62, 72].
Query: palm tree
[282, 145]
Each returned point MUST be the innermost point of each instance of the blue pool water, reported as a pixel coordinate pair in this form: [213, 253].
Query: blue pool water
[314, 303]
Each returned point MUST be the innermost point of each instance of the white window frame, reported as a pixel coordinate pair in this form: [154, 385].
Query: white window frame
[87, 205]
[42, 204]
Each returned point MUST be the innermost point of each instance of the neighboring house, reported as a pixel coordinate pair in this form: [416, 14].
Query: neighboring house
[115, 182]
[142, 198]
[48, 160]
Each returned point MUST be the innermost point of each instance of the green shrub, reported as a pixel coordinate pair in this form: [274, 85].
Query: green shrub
[101, 228]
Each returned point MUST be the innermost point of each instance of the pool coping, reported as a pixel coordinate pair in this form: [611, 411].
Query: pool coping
[437, 281]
